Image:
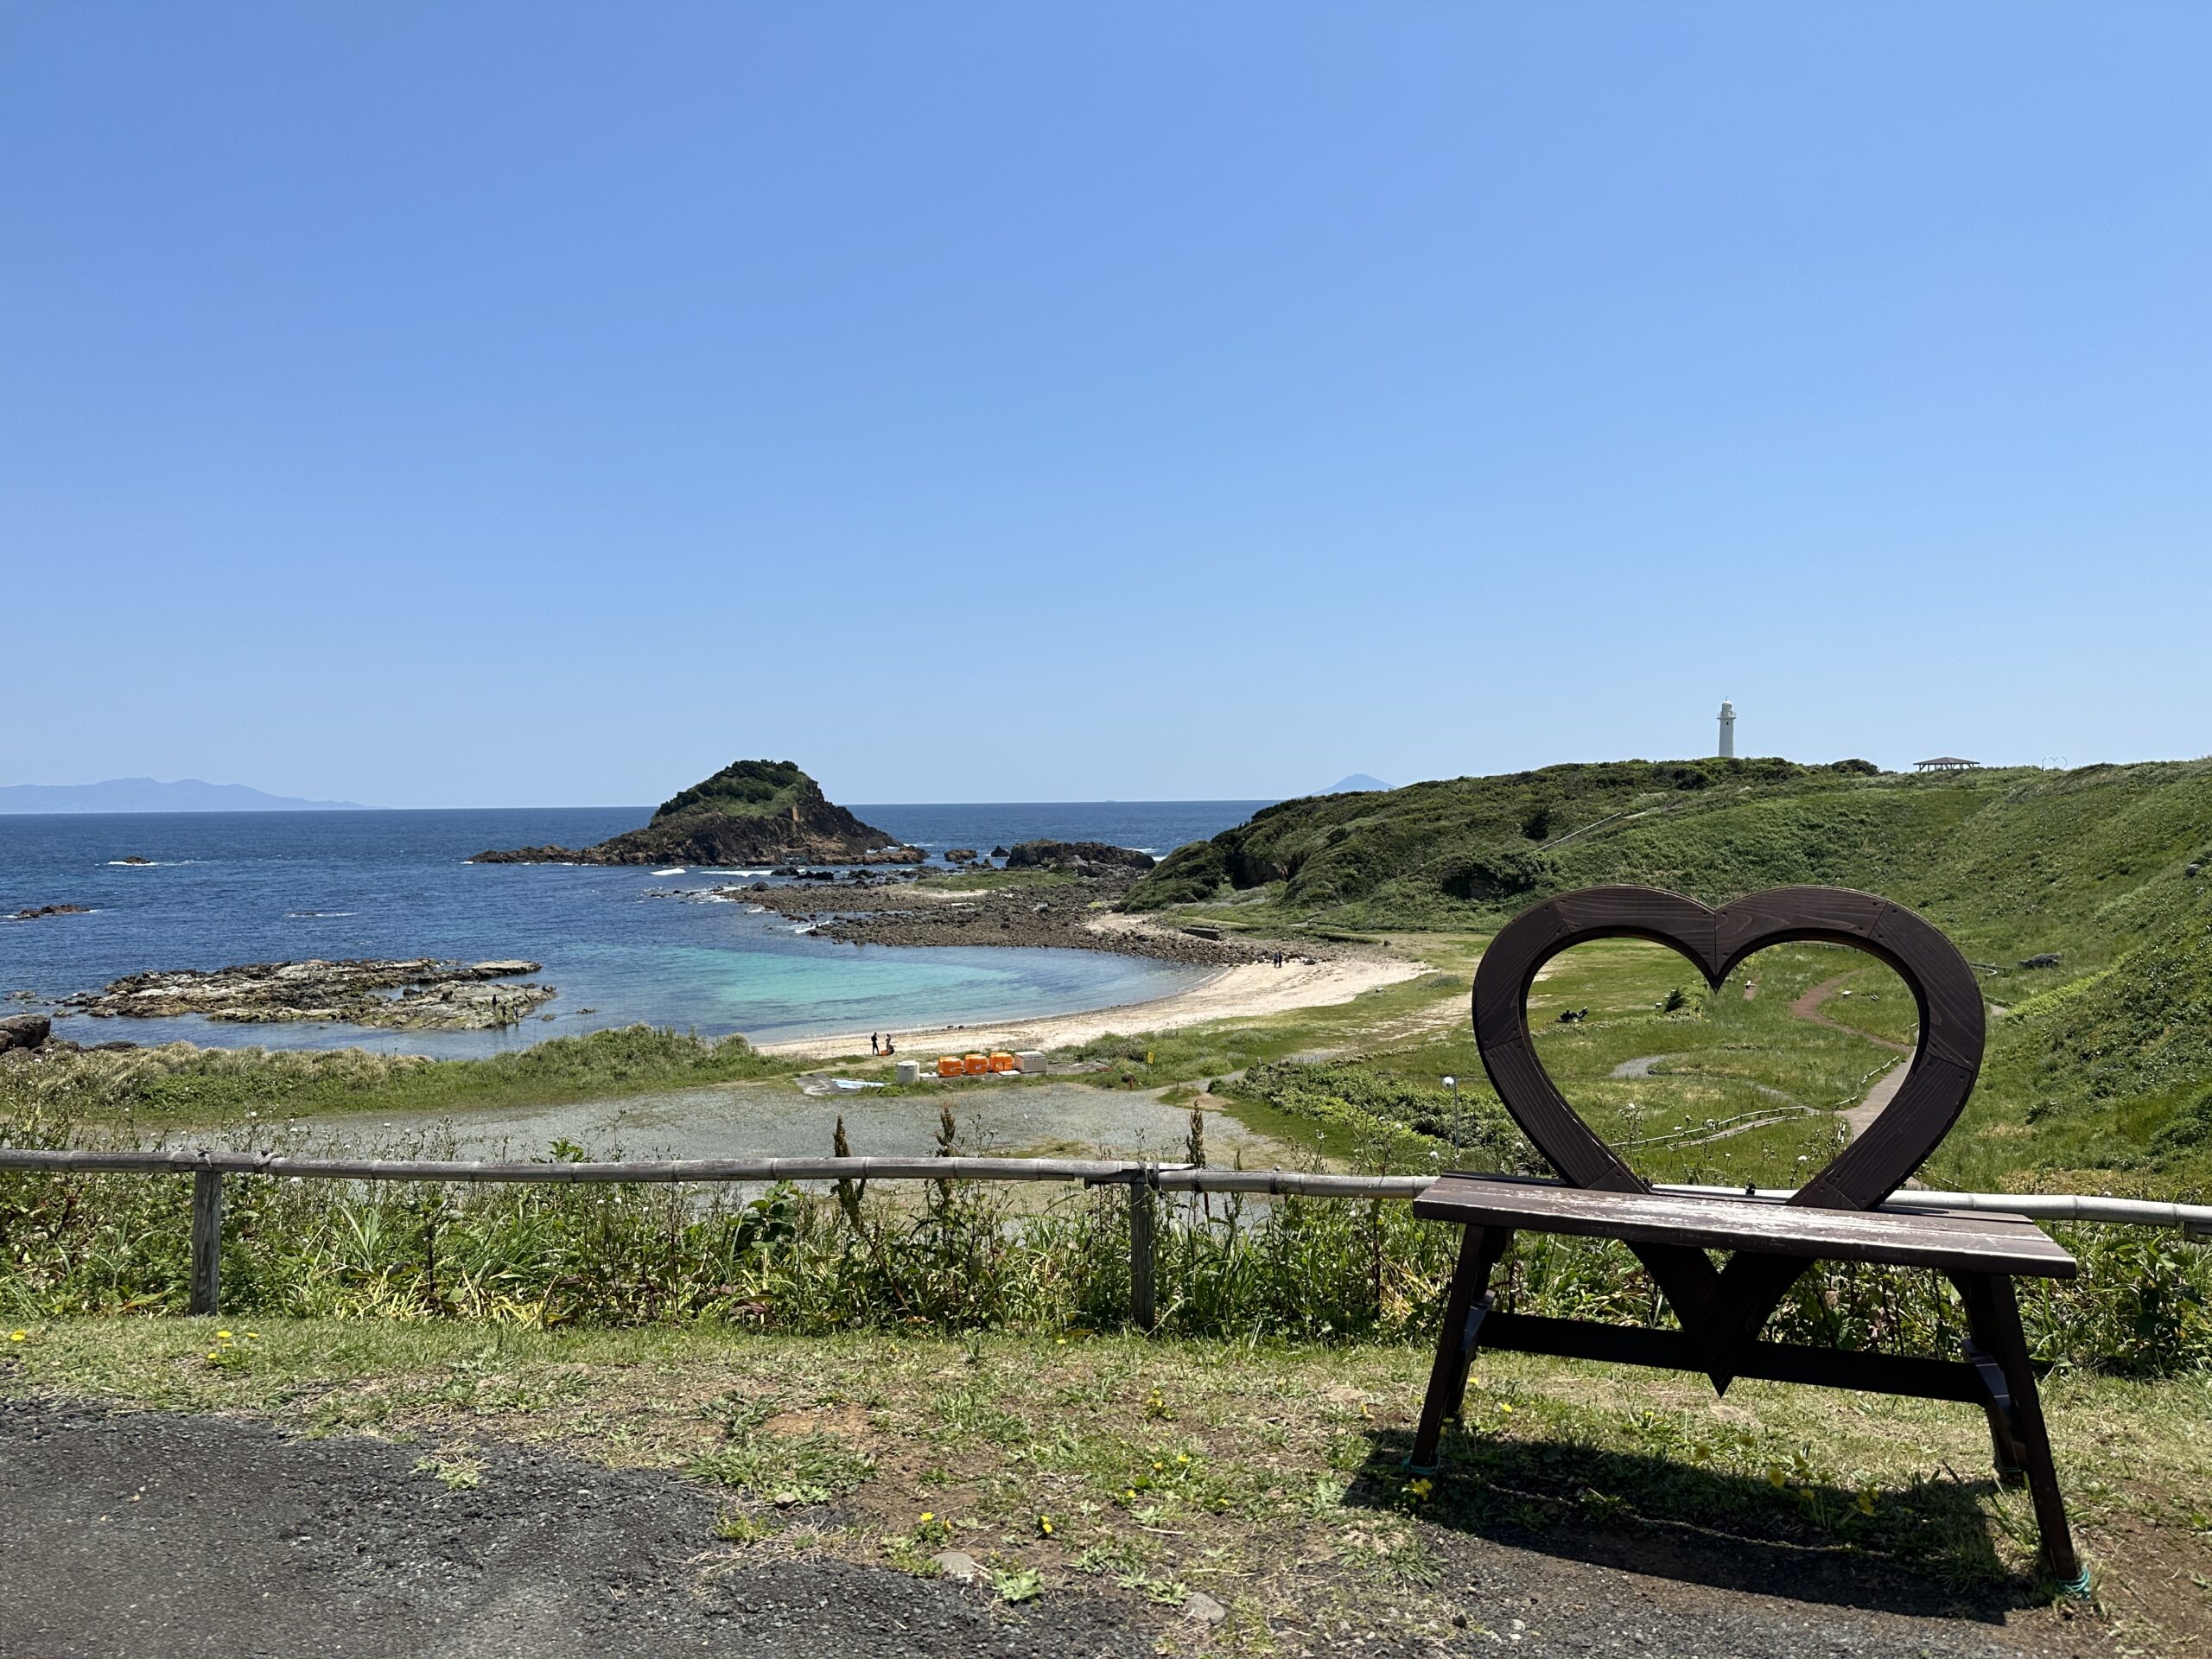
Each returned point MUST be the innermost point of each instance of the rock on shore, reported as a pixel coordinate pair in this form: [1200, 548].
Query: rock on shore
[421, 994]
[1083, 857]
[750, 813]
[24, 1031]
[38, 910]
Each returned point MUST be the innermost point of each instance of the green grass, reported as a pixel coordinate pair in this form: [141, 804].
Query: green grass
[181, 1083]
[1265, 1474]
[2103, 1064]
[744, 789]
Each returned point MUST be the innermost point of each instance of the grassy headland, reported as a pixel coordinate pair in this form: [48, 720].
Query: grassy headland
[2103, 1058]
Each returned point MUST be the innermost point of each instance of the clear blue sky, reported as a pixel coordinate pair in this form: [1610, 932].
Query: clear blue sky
[532, 403]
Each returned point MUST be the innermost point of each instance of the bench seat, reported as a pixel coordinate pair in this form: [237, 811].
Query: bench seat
[1952, 1241]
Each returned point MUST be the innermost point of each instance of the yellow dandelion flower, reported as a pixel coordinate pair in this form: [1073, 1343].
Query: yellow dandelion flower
[1505, 1406]
[1045, 1525]
[1182, 1457]
[222, 1336]
[19, 1336]
[926, 1518]
[1421, 1488]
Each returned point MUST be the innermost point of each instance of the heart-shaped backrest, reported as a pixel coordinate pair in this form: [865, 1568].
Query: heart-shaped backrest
[1877, 1162]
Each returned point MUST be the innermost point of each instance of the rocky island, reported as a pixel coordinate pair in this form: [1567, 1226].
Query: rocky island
[421, 994]
[750, 813]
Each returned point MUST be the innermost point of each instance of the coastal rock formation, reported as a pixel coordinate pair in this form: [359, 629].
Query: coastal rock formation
[31, 915]
[24, 1031]
[421, 994]
[1083, 857]
[750, 813]
[1069, 915]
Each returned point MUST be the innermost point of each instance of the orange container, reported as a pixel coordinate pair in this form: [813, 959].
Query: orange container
[947, 1067]
[1004, 1063]
[978, 1064]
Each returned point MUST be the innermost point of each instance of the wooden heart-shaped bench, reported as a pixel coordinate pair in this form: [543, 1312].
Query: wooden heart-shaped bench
[1837, 1216]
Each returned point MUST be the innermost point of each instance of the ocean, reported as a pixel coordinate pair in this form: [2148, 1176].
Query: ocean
[222, 888]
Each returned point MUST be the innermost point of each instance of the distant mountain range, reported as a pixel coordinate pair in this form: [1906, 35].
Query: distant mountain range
[150, 795]
[1352, 785]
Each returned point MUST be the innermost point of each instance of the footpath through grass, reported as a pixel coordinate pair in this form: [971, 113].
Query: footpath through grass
[1264, 1475]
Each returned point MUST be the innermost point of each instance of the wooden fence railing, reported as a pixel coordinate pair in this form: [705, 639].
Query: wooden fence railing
[208, 1167]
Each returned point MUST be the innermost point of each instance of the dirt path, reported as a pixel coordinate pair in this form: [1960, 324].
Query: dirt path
[1808, 1007]
[156, 1532]
[1859, 1117]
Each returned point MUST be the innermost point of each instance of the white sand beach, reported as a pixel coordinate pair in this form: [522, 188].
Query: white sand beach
[1241, 992]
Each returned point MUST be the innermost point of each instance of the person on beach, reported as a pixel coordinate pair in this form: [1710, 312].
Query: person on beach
[889, 1047]
[875, 1043]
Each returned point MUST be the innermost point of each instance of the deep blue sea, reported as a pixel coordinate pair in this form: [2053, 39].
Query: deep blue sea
[230, 887]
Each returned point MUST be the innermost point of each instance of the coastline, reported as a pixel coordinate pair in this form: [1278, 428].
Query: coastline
[1244, 989]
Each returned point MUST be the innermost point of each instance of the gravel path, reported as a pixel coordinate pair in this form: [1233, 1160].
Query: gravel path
[154, 1533]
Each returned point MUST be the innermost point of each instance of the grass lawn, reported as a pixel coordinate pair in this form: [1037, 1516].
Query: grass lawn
[1265, 1476]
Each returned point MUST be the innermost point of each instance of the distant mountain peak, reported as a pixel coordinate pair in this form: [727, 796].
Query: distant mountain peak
[151, 795]
[1356, 783]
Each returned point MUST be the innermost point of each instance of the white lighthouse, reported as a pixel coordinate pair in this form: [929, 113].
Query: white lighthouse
[1727, 729]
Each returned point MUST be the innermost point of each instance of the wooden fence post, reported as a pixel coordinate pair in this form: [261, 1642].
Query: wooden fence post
[1144, 1302]
[206, 1240]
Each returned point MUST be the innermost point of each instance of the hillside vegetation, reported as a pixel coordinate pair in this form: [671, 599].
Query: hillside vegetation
[744, 789]
[2102, 1060]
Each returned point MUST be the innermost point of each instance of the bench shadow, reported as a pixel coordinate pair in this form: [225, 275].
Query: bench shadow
[1924, 1552]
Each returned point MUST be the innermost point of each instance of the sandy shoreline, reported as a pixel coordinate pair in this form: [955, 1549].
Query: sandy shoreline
[1248, 989]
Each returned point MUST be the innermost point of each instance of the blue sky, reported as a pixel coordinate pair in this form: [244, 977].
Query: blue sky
[507, 404]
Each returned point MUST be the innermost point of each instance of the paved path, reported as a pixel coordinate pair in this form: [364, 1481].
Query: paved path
[158, 1533]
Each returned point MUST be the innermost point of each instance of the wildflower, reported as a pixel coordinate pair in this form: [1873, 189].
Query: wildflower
[1182, 1457]
[1061, 1342]
[253, 1336]
[926, 1518]
[1045, 1525]
[1421, 1488]
[222, 1336]
[19, 1336]
[1505, 1406]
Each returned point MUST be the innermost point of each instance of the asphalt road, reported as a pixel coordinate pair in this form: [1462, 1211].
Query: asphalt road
[156, 1534]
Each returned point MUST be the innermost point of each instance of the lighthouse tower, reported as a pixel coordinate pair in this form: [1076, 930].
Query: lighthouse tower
[1727, 729]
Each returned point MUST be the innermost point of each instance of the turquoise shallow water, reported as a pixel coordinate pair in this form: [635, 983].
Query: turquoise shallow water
[224, 888]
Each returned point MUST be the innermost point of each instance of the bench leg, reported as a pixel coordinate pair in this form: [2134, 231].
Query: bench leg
[1479, 1250]
[1993, 1316]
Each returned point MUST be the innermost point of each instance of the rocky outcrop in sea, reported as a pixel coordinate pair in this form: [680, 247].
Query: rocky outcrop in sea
[750, 813]
[1081, 857]
[423, 993]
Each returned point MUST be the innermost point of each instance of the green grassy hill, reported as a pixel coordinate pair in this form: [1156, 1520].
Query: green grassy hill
[744, 789]
[2103, 1061]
